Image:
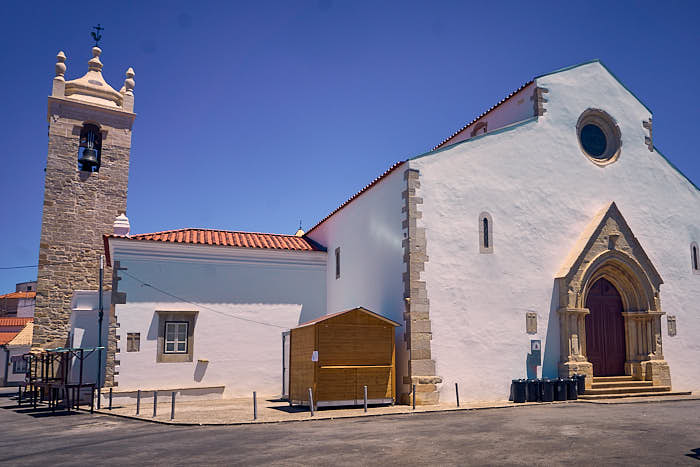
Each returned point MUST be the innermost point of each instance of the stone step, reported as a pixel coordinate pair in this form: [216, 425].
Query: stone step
[588, 396]
[621, 384]
[628, 390]
[610, 379]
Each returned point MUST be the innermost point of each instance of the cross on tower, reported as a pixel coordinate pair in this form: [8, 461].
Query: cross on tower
[96, 35]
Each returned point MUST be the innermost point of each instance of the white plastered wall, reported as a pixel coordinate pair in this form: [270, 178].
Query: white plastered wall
[541, 192]
[243, 301]
[519, 107]
[11, 351]
[369, 233]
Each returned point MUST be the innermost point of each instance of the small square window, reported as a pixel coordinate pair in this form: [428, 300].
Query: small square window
[133, 341]
[176, 336]
[19, 365]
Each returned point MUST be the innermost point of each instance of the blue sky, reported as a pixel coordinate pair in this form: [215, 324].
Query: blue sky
[254, 115]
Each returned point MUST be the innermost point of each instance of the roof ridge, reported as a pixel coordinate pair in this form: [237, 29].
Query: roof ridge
[483, 114]
[204, 229]
[352, 198]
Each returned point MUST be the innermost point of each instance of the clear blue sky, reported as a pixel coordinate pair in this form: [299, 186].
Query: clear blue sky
[252, 115]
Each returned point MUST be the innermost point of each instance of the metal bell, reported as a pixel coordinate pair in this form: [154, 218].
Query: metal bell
[89, 158]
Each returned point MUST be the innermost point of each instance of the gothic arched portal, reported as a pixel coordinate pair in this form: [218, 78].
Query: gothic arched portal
[609, 253]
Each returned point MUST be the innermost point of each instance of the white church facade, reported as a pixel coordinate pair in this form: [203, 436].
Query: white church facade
[551, 221]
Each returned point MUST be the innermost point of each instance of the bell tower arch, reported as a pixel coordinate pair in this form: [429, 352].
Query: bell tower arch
[85, 188]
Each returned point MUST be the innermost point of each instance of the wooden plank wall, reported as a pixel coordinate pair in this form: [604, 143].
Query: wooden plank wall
[301, 368]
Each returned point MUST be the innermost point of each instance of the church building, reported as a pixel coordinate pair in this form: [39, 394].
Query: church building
[547, 237]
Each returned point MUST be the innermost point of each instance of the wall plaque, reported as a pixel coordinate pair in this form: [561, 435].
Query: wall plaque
[671, 320]
[531, 322]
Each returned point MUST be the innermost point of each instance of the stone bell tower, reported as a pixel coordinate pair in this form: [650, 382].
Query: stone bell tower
[87, 173]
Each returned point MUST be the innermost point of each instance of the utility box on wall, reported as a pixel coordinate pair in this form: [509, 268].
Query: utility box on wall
[337, 355]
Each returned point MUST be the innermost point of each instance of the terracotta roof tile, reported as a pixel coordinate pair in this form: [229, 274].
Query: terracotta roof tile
[24, 337]
[19, 295]
[6, 337]
[9, 321]
[227, 238]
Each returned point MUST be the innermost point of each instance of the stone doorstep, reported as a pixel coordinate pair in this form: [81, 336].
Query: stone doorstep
[664, 395]
[610, 379]
[627, 390]
[621, 384]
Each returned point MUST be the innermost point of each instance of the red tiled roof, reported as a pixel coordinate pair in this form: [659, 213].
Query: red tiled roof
[265, 241]
[19, 295]
[446, 140]
[6, 337]
[352, 198]
[7, 321]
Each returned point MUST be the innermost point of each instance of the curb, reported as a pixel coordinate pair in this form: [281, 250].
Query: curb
[313, 419]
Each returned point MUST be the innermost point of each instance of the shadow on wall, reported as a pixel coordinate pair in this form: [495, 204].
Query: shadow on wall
[550, 364]
[200, 369]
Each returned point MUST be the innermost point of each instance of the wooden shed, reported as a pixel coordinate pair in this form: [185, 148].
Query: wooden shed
[337, 355]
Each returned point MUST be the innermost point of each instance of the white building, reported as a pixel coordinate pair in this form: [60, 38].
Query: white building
[549, 220]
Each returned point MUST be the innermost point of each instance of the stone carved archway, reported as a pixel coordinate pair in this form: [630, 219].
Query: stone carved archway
[608, 249]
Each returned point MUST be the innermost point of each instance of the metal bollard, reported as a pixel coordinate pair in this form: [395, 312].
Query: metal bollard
[19, 396]
[172, 406]
[255, 406]
[365, 399]
[138, 401]
[414, 397]
[155, 403]
[311, 402]
[457, 393]
[110, 398]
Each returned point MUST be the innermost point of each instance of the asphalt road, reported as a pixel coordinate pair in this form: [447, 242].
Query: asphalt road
[666, 433]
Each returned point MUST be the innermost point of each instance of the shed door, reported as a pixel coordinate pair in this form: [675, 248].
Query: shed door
[285, 364]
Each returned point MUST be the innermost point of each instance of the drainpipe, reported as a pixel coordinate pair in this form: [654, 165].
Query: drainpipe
[7, 361]
[100, 316]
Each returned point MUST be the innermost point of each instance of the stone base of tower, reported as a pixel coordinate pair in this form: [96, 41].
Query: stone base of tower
[426, 390]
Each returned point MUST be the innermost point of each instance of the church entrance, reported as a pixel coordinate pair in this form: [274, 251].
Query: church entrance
[605, 330]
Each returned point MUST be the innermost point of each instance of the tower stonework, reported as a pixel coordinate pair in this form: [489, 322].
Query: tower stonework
[87, 172]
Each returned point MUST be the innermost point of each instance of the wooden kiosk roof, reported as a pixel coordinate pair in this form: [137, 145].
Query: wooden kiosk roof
[359, 308]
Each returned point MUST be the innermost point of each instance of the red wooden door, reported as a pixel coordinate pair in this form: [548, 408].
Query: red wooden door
[605, 330]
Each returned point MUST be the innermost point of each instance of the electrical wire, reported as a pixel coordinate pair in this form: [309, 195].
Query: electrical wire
[146, 284]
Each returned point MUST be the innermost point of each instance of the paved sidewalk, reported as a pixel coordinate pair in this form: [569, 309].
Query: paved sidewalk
[272, 410]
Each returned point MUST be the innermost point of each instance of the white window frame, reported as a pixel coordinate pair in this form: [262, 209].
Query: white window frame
[15, 363]
[176, 341]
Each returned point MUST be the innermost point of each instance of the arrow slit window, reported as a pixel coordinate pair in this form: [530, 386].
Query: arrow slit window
[485, 233]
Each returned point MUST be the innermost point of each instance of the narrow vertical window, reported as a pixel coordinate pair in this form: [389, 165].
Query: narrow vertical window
[337, 263]
[694, 257]
[485, 233]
